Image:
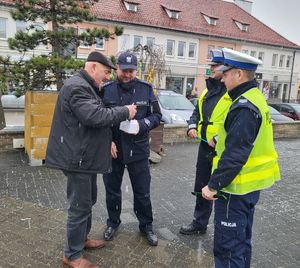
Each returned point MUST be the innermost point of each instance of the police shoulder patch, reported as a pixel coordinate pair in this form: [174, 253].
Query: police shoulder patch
[147, 122]
[107, 83]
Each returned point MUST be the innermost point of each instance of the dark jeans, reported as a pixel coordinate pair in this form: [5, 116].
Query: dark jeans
[81, 195]
[203, 207]
[139, 174]
[233, 230]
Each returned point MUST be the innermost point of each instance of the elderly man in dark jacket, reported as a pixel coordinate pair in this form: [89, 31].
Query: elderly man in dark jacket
[79, 145]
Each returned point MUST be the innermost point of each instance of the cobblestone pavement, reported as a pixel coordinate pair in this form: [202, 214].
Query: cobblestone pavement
[33, 216]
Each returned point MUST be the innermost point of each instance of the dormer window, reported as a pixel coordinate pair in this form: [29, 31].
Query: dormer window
[131, 6]
[212, 20]
[172, 12]
[243, 26]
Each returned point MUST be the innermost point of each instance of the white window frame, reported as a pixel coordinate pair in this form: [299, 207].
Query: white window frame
[288, 62]
[246, 51]
[173, 48]
[141, 40]
[82, 45]
[5, 28]
[242, 26]
[173, 14]
[209, 48]
[281, 63]
[274, 59]
[150, 38]
[125, 42]
[131, 6]
[195, 50]
[184, 49]
[103, 43]
[210, 20]
[253, 53]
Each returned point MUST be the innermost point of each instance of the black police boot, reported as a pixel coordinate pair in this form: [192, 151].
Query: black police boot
[191, 229]
[151, 237]
[109, 232]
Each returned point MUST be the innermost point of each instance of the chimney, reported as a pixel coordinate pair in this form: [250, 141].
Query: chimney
[244, 4]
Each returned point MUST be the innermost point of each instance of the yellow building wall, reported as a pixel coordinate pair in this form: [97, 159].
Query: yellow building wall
[203, 60]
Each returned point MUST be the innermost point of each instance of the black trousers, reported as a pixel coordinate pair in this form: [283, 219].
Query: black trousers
[139, 174]
[203, 207]
[81, 195]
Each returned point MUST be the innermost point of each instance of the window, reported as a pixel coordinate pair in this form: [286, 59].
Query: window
[124, 42]
[150, 42]
[288, 61]
[281, 61]
[3, 28]
[173, 14]
[138, 40]
[210, 20]
[181, 49]
[83, 44]
[175, 84]
[242, 26]
[253, 53]
[192, 50]
[100, 43]
[189, 85]
[170, 47]
[274, 60]
[245, 51]
[20, 25]
[131, 6]
[261, 56]
[209, 48]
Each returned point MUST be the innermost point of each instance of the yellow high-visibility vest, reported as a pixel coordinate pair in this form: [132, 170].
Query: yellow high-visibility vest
[261, 169]
[217, 117]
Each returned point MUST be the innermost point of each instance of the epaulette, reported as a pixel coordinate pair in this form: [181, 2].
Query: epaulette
[144, 82]
[107, 83]
[242, 102]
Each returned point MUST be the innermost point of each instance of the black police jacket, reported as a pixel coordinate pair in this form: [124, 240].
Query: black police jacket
[80, 137]
[130, 147]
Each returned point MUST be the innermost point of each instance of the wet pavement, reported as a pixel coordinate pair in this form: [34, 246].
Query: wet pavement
[33, 215]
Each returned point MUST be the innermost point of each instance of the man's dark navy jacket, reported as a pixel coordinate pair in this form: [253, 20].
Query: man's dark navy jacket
[130, 147]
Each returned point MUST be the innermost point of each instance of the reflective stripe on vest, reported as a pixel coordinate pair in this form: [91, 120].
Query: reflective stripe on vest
[217, 117]
[261, 169]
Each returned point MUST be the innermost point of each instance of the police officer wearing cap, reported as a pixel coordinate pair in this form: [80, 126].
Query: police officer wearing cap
[131, 149]
[203, 124]
[246, 161]
[79, 145]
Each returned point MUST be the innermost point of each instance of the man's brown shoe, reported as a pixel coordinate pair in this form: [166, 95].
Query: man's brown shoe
[94, 244]
[78, 263]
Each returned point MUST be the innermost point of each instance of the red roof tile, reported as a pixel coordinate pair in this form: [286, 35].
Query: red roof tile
[151, 13]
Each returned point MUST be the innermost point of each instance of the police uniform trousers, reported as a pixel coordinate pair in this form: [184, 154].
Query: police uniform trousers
[139, 174]
[81, 196]
[233, 230]
[203, 207]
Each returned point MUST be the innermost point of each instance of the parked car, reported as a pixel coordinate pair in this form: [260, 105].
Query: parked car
[175, 108]
[291, 110]
[277, 116]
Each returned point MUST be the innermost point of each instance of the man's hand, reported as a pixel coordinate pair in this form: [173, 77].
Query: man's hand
[211, 143]
[114, 150]
[132, 110]
[207, 194]
[192, 133]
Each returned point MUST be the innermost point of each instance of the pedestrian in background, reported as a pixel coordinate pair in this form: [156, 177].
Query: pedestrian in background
[246, 161]
[203, 124]
[131, 149]
[79, 144]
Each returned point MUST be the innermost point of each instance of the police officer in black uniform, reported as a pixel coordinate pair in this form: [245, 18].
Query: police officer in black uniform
[202, 119]
[131, 149]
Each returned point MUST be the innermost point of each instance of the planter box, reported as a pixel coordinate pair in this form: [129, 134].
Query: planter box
[39, 108]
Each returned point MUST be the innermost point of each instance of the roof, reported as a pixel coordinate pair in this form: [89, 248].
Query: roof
[191, 19]
[151, 12]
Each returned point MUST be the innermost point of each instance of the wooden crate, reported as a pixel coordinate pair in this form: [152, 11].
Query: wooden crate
[39, 109]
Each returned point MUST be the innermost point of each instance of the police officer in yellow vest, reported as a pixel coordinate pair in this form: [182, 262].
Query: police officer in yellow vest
[246, 161]
[207, 116]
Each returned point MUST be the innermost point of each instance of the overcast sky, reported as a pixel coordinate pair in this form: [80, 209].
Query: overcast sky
[283, 16]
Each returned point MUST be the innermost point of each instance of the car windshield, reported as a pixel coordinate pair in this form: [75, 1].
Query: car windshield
[296, 107]
[273, 110]
[173, 102]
